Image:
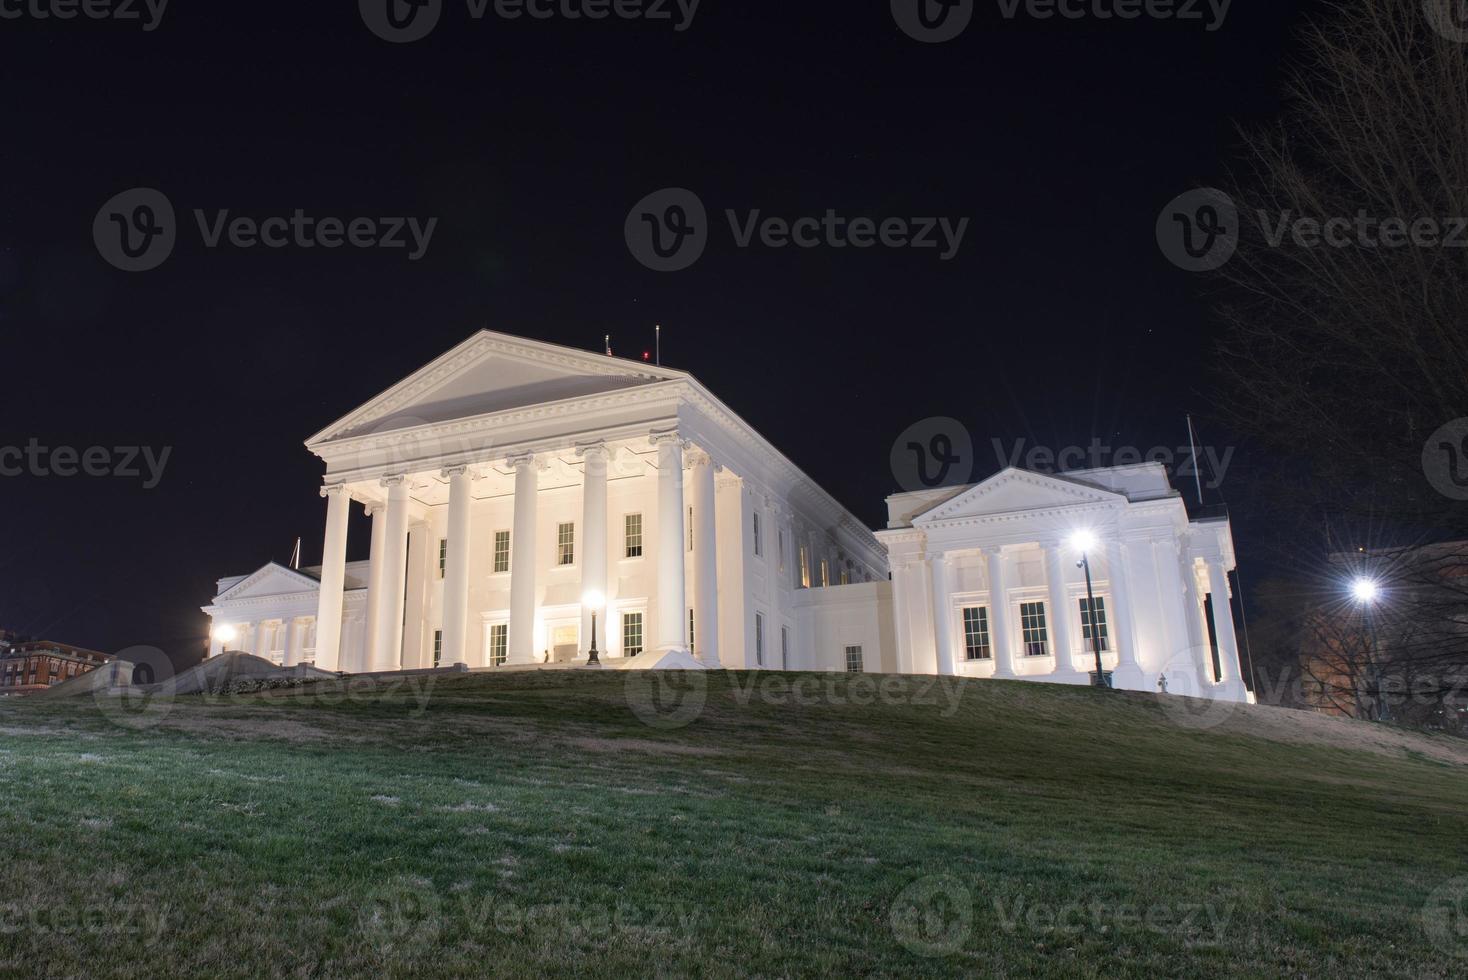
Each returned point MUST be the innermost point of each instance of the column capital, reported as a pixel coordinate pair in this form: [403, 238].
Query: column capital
[694, 456]
[395, 480]
[333, 488]
[526, 458]
[658, 438]
[449, 472]
[584, 449]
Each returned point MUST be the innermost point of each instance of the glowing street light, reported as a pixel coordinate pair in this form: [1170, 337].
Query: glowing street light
[1365, 590]
[225, 634]
[1084, 541]
[596, 602]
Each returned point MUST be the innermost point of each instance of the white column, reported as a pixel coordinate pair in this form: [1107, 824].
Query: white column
[942, 614]
[521, 640]
[333, 577]
[372, 649]
[1223, 623]
[1000, 640]
[216, 646]
[262, 640]
[456, 567]
[705, 562]
[1060, 635]
[1122, 620]
[672, 603]
[292, 642]
[394, 570]
[593, 539]
[1180, 651]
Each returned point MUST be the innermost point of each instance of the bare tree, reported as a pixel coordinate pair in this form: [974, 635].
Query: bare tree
[1347, 357]
[1346, 343]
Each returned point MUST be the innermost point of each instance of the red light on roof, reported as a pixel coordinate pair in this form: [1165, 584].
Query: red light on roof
[647, 355]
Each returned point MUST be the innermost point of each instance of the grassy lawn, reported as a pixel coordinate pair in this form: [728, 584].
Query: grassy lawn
[524, 824]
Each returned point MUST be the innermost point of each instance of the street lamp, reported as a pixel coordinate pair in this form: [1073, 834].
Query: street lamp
[1366, 591]
[225, 634]
[1084, 542]
[594, 601]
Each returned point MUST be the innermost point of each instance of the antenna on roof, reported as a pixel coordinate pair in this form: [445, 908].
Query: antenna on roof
[657, 331]
[1193, 447]
[608, 343]
[296, 555]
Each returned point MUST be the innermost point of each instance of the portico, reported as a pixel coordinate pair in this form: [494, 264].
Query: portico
[508, 481]
[986, 583]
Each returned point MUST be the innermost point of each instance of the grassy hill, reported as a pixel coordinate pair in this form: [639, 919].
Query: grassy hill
[555, 823]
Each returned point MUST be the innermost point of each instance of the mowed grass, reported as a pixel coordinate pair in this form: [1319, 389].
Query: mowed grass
[535, 824]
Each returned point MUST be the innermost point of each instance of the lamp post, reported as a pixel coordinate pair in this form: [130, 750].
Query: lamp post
[225, 634]
[593, 601]
[1084, 541]
[1366, 591]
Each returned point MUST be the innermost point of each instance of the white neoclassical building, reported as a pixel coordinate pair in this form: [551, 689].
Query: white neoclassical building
[516, 488]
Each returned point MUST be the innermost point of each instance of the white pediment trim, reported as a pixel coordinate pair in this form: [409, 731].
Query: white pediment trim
[271, 580]
[1043, 492]
[421, 384]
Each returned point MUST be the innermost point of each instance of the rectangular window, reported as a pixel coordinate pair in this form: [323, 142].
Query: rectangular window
[1101, 631]
[825, 574]
[845, 577]
[855, 662]
[632, 536]
[690, 528]
[499, 644]
[759, 548]
[1032, 624]
[502, 551]
[976, 633]
[437, 647]
[781, 556]
[631, 634]
[759, 639]
[784, 648]
[566, 544]
[443, 555]
[804, 568]
[690, 631]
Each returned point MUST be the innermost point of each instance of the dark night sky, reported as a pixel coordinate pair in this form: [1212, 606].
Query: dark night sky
[1058, 321]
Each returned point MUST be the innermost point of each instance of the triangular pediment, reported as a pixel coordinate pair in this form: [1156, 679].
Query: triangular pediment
[492, 372]
[1015, 491]
[272, 580]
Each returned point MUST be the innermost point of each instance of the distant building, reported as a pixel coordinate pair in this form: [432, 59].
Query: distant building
[28, 666]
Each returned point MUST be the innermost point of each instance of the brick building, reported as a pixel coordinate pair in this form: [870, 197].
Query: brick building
[27, 666]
